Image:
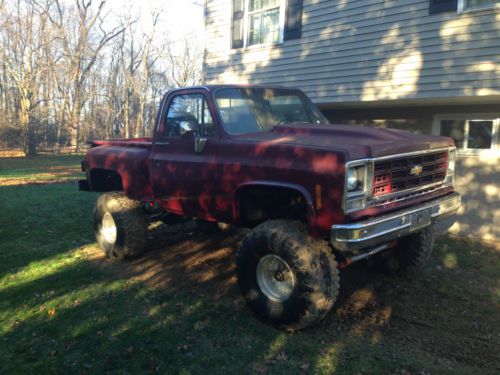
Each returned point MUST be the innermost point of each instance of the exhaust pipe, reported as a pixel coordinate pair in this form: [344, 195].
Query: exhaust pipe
[356, 258]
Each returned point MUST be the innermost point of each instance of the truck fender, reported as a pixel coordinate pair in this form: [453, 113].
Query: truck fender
[266, 183]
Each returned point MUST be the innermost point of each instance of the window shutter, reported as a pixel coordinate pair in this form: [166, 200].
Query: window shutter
[440, 6]
[237, 24]
[293, 21]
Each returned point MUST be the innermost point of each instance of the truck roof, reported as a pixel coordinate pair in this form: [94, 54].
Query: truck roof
[213, 87]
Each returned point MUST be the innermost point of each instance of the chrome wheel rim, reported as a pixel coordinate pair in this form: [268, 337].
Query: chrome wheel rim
[275, 278]
[108, 228]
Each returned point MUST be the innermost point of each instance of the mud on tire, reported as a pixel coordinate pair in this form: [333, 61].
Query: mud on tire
[211, 227]
[316, 279]
[130, 236]
[410, 254]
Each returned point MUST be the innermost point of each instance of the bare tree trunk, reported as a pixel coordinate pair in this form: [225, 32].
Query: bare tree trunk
[55, 77]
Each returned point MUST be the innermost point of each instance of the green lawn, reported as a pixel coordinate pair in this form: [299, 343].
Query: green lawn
[39, 169]
[65, 309]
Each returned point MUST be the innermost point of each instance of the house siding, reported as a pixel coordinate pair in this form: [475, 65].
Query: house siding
[366, 51]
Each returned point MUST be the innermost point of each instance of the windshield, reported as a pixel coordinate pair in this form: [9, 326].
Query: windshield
[252, 110]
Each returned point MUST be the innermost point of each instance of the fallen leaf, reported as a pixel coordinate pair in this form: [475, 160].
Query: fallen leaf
[259, 369]
[282, 356]
[201, 324]
[51, 312]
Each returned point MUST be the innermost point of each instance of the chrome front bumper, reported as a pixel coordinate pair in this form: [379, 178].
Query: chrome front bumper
[356, 236]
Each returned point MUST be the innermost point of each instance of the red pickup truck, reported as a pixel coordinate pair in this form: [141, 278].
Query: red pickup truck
[317, 196]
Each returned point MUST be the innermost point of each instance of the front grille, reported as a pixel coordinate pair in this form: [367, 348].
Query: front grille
[405, 173]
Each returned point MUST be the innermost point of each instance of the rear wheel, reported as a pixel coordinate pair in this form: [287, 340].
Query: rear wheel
[287, 278]
[119, 225]
[409, 255]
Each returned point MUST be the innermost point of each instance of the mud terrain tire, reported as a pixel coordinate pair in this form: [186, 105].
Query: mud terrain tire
[410, 254]
[128, 239]
[314, 269]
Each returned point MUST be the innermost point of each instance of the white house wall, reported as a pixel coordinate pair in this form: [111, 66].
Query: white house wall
[366, 50]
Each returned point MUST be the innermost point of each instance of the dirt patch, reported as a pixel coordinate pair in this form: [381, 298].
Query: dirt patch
[48, 181]
[181, 258]
[11, 153]
[45, 176]
[371, 306]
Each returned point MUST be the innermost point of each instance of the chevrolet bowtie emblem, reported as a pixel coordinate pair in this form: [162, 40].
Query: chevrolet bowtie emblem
[416, 170]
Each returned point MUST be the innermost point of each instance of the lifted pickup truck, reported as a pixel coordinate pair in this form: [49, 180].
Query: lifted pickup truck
[317, 196]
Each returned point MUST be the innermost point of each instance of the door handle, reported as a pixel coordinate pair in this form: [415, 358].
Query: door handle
[162, 143]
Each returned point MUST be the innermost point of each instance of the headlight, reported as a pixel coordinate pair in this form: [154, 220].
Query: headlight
[356, 185]
[352, 179]
[451, 161]
[450, 172]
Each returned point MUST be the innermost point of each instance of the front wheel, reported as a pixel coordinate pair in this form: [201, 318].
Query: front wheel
[119, 225]
[409, 255]
[287, 278]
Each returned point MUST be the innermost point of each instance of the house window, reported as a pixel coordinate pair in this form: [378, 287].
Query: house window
[263, 22]
[464, 5]
[472, 134]
[269, 22]
[440, 6]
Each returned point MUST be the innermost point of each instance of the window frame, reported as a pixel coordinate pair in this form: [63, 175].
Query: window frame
[468, 117]
[246, 26]
[462, 7]
[170, 97]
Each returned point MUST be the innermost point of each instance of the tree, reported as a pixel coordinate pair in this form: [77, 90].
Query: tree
[82, 36]
[70, 71]
[23, 37]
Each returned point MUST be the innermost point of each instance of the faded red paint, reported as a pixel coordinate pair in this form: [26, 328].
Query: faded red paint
[298, 156]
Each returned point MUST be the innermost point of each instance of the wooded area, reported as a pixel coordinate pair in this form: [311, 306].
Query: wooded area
[74, 70]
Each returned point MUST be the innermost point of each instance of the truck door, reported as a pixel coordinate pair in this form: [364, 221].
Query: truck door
[183, 161]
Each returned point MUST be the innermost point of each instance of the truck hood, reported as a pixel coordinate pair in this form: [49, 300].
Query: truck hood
[357, 142]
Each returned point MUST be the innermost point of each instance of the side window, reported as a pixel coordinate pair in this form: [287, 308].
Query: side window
[236, 113]
[190, 107]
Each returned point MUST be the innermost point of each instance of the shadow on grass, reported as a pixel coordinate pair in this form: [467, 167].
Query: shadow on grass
[39, 222]
[177, 309]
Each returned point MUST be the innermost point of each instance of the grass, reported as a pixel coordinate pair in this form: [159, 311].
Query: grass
[65, 309]
[39, 169]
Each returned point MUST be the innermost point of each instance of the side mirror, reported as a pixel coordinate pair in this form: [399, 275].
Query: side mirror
[190, 129]
[187, 128]
[199, 144]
